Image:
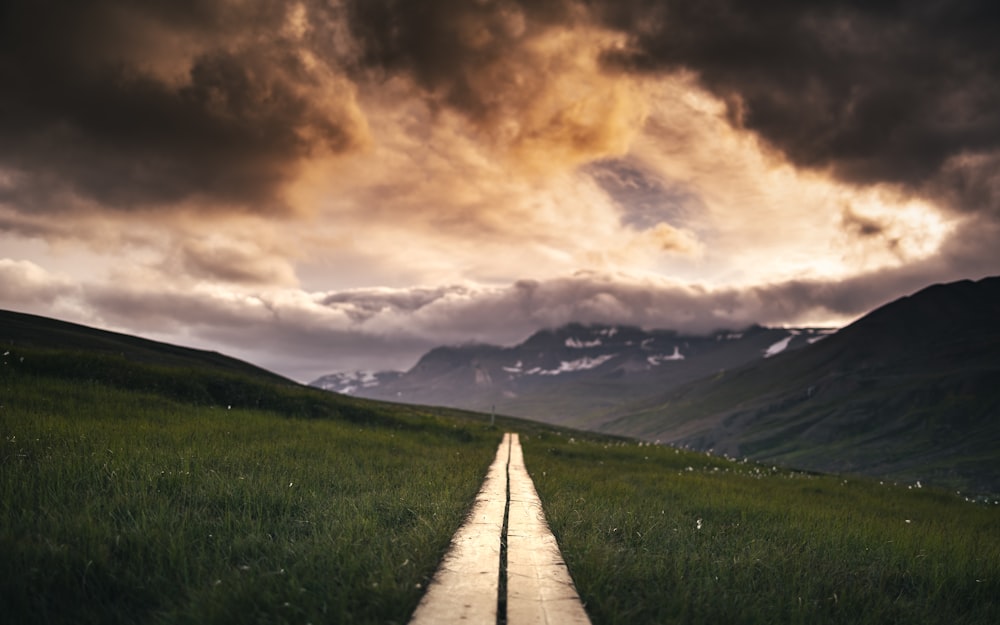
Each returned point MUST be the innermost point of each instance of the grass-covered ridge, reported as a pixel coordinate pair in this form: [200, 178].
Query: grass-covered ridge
[22, 330]
[657, 535]
[134, 490]
[141, 493]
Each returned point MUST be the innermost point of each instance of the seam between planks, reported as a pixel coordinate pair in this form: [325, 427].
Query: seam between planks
[507, 535]
[502, 577]
[540, 589]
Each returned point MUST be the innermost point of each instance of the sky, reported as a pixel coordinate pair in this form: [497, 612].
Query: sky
[331, 185]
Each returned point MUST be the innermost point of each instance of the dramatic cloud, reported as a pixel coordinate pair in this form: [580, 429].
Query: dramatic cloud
[877, 92]
[526, 75]
[126, 105]
[334, 184]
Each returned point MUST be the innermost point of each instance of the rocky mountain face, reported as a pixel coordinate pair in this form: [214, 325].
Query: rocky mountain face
[570, 373]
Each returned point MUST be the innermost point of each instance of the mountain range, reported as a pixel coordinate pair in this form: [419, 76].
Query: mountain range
[569, 374]
[909, 392]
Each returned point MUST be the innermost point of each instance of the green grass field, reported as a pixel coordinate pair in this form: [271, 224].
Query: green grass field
[118, 506]
[139, 493]
[655, 535]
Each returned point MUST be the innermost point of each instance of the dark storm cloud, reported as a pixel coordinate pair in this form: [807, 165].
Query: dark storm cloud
[896, 92]
[445, 45]
[137, 104]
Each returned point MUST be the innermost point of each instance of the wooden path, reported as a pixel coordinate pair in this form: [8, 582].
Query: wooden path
[505, 534]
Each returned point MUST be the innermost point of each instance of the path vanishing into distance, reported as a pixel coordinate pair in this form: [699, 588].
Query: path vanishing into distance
[503, 565]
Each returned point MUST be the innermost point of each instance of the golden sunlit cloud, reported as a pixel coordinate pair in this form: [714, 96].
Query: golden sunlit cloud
[768, 219]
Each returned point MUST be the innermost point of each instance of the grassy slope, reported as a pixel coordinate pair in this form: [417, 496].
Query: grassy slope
[132, 493]
[21, 330]
[655, 535]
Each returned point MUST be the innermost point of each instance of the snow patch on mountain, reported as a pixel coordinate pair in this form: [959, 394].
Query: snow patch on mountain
[661, 358]
[565, 366]
[517, 368]
[780, 346]
[575, 343]
[348, 382]
[581, 364]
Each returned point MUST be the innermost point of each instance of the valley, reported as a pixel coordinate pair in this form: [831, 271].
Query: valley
[149, 482]
[909, 392]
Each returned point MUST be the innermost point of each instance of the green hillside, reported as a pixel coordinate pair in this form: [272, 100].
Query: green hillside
[910, 392]
[24, 330]
[171, 486]
[657, 535]
[160, 492]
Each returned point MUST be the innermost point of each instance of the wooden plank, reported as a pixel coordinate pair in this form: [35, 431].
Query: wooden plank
[539, 587]
[464, 588]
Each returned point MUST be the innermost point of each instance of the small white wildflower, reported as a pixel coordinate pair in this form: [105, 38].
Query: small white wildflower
[290, 484]
[697, 524]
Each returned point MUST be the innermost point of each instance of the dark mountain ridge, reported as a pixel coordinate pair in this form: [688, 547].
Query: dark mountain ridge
[910, 391]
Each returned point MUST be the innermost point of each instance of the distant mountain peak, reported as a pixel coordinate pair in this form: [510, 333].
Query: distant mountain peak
[619, 359]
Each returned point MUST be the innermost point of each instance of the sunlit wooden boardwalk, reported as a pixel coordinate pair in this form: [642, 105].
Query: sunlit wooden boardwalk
[466, 586]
